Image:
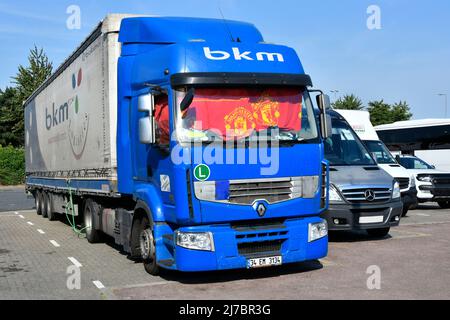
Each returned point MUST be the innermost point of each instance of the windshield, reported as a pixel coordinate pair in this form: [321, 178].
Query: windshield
[344, 148]
[380, 152]
[222, 114]
[414, 163]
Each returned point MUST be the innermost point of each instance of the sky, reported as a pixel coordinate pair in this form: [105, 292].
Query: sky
[406, 59]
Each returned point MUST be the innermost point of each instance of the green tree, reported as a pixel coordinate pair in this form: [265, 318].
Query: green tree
[383, 113]
[11, 113]
[401, 112]
[348, 102]
[27, 80]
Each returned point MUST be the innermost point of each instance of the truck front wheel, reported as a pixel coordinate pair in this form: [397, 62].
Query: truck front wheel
[378, 233]
[147, 245]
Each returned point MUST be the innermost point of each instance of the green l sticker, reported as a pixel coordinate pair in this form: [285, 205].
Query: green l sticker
[202, 172]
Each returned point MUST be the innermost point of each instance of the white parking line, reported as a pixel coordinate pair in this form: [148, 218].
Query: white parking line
[75, 262]
[40, 231]
[30, 223]
[56, 244]
[21, 217]
[422, 215]
[98, 284]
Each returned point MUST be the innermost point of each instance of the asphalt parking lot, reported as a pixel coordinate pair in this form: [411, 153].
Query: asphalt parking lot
[35, 254]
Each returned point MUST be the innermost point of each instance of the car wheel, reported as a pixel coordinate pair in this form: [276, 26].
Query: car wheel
[444, 204]
[405, 211]
[378, 233]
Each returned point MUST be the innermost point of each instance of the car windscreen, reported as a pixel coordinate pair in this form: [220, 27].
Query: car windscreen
[380, 152]
[344, 148]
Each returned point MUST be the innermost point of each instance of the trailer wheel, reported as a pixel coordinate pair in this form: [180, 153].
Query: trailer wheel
[91, 209]
[44, 204]
[378, 233]
[148, 246]
[51, 215]
[37, 201]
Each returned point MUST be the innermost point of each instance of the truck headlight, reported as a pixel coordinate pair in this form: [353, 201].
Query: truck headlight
[195, 241]
[317, 231]
[396, 193]
[334, 195]
[425, 178]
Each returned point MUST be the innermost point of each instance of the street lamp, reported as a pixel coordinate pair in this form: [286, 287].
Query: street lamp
[335, 92]
[445, 96]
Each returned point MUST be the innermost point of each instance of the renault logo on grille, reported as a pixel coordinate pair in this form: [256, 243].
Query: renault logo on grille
[261, 209]
[370, 195]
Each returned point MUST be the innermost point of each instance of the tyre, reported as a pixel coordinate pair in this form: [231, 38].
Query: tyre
[51, 215]
[44, 204]
[378, 233]
[444, 204]
[91, 209]
[147, 245]
[37, 201]
[405, 211]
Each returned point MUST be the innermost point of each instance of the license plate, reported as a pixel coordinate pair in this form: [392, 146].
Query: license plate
[264, 262]
[377, 219]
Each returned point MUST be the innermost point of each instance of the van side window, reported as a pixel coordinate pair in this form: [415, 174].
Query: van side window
[162, 120]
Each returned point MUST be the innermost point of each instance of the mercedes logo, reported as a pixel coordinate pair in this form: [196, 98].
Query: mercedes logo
[261, 209]
[370, 195]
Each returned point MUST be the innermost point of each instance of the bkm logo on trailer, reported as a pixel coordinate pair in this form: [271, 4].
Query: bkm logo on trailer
[61, 114]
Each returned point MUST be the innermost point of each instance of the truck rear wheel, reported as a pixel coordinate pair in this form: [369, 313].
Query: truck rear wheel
[378, 233]
[44, 201]
[444, 204]
[90, 210]
[148, 246]
[37, 202]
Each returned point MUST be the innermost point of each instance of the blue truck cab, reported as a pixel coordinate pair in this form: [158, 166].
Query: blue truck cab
[220, 158]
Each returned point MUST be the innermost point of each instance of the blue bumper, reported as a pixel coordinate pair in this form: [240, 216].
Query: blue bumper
[235, 244]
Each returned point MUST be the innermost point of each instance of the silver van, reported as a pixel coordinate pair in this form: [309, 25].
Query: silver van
[362, 196]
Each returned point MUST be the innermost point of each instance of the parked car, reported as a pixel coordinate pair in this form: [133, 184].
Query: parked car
[432, 184]
[360, 122]
[362, 196]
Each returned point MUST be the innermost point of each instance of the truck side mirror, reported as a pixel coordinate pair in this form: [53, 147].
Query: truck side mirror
[147, 125]
[324, 104]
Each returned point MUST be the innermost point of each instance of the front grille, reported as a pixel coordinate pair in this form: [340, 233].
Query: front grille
[256, 248]
[404, 183]
[271, 191]
[359, 195]
[441, 180]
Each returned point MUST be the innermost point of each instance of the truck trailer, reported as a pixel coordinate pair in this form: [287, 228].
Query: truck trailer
[148, 134]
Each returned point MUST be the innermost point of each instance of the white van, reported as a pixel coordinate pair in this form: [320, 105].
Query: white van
[360, 122]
